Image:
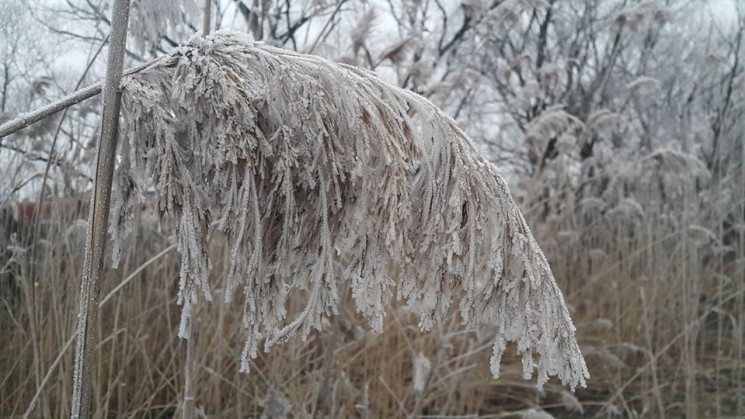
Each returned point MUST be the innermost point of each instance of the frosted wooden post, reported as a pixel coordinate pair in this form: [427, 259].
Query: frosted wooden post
[90, 287]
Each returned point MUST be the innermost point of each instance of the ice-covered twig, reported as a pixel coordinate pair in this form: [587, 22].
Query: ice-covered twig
[23, 120]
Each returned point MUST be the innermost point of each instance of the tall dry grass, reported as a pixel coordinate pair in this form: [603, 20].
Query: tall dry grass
[657, 299]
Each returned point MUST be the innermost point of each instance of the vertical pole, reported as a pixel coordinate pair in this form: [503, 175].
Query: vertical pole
[207, 22]
[90, 287]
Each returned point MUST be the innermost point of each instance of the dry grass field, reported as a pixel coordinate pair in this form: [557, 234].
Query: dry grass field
[658, 307]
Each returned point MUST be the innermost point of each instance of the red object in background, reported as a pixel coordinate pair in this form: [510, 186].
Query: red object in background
[25, 212]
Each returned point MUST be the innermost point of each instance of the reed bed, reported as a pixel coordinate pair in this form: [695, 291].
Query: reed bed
[658, 306]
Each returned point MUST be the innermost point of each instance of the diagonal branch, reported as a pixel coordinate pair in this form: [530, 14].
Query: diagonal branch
[24, 120]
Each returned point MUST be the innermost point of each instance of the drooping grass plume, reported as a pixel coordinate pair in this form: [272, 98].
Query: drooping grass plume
[306, 164]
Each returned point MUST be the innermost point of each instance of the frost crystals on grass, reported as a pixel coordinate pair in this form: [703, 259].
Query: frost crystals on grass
[304, 163]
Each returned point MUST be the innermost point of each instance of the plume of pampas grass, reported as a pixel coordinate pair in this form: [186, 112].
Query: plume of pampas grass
[422, 371]
[571, 403]
[304, 163]
[509, 11]
[643, 85]
[629, 207]
[603, 122]
[276, 405]
[553, 121]
[701, 234]
[592, 203]
[603, 357]
[677, 162]
[635, 14]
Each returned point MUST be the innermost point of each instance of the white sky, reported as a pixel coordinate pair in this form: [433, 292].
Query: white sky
[724, 11]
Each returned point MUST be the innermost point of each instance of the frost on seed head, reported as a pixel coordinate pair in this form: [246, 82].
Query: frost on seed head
[304, 164]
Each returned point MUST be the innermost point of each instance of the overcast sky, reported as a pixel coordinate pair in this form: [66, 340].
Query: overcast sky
[724, 10]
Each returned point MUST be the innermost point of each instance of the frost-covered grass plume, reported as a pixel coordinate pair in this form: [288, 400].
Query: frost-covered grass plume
[319, 173]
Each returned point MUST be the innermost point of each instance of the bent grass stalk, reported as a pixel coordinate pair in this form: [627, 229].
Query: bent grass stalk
[341, 162]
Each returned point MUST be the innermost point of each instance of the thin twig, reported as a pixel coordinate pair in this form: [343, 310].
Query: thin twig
[328, 22]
